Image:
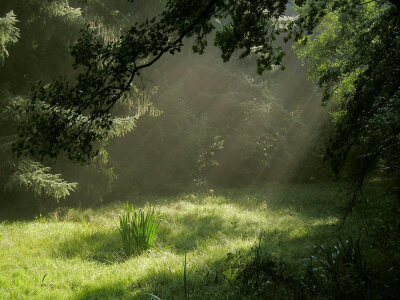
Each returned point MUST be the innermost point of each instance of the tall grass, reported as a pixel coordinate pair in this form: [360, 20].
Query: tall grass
[138, 229]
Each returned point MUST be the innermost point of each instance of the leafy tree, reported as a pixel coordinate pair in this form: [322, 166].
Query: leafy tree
[354, 59]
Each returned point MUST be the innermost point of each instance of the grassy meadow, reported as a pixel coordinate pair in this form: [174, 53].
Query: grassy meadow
[76, 253]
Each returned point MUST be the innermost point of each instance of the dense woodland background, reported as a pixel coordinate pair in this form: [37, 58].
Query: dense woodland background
[212, 123]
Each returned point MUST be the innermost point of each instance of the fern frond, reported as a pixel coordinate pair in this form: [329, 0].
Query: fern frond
[122, 126]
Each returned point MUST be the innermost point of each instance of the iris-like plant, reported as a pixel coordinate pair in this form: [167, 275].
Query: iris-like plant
[138, 229]
[340, 271]
[344, 257]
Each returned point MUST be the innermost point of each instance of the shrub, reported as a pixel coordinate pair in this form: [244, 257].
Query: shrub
[138, 229]
[260, 275]
[336, 272]
[339, 271]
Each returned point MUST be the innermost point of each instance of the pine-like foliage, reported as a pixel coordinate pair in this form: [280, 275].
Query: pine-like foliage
[37, 177]
[8, 33]
[46, 31]
[25, 173]
[62, 8]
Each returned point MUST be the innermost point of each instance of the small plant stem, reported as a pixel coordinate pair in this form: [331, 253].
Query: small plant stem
[184, 281]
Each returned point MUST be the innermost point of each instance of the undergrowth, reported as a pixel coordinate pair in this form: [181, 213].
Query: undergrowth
[334, 272]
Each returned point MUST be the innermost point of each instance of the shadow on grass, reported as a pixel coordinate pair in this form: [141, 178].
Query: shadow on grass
[205, 280]
[308, 200]
[163, 285]
[103, 247]
[25, 209]
[191, 231]
[115, 291]
[106, 247]
[195, 227]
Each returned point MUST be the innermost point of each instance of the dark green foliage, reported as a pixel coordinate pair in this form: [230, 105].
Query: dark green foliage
[22, 174]
[72, 118]
[42, 53]
[340, 271]
[260, 275]
[354, 58]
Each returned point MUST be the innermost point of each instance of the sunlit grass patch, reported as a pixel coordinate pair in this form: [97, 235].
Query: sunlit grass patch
[77, 253]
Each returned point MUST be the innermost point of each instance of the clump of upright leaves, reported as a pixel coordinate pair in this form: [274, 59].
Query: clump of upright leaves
[340, 271]
[138, 229]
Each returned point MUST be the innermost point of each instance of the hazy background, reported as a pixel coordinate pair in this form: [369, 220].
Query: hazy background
[221, 125]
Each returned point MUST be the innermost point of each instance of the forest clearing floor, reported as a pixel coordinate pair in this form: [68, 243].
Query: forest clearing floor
[76, 253]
